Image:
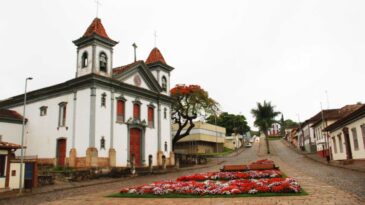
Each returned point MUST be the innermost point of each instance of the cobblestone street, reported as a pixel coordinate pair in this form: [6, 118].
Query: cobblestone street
[325, 185]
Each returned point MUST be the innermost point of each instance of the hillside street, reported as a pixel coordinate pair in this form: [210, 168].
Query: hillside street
[324, 184]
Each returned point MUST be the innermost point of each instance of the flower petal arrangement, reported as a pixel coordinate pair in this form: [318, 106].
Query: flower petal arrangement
[221, 183]
[231, 175]
[211, 187]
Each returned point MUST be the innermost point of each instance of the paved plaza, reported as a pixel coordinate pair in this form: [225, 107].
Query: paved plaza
[324, 184]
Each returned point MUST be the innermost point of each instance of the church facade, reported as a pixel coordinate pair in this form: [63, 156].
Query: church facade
[106, 116]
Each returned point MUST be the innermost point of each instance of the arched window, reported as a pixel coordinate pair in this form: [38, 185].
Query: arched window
[84, 60]
[164, 84]
[103, 62]
[165, 146]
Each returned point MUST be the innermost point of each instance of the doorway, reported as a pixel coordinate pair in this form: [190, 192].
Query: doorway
[61, 152]
[135, 145]
[347, 143]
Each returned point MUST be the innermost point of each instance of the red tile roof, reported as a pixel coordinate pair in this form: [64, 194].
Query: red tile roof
[8, 145]
[124, 68]
[155, 56]
[355, 114]
[96, 27]
[10, 115]
[335, 114]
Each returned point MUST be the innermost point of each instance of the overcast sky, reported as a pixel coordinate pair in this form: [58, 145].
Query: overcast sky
[241, 52]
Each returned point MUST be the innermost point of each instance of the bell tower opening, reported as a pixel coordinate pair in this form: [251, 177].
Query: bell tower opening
[94, 51]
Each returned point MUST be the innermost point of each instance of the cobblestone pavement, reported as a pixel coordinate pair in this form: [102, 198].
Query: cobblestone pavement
[320, 192]
[351, 181]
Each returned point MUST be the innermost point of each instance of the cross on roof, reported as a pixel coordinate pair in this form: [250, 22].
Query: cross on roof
[97, 7]
[155, 35]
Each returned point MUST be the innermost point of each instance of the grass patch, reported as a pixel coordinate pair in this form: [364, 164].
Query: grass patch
[62, 169]
[119, 195]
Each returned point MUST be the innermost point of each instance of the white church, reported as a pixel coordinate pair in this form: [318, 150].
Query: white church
[104, 117]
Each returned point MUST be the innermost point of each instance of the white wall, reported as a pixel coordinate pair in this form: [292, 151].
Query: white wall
[82, 129]
[166, 130]
[102, 125]
[14, 180]
[42, 131]
[130, 81]
[356, 154]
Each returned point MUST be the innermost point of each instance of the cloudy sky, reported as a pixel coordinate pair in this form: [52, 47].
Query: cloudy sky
[241, 52]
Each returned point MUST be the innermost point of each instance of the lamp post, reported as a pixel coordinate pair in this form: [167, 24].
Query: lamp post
[22, 140]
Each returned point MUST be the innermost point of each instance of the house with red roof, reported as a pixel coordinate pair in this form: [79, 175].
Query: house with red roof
[347, 136]
[107, 116]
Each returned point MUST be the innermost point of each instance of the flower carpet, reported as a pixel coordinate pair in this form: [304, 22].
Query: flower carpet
[253, 182]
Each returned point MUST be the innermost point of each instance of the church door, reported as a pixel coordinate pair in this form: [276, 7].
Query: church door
[61, 152]
[135, 145]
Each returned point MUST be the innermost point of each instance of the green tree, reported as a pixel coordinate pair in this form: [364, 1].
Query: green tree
[189, 102]
[264, 118]
[282, 125]
[232, 123]
[290, 123]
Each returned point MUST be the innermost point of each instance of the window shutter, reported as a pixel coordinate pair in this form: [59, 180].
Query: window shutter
[120, 110]
[64, 115]
[150, 116]
[136, 111]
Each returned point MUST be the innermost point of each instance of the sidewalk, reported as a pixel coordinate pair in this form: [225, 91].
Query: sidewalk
[356, 166]
[60, 186]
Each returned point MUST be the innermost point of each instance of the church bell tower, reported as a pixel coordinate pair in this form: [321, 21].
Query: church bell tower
[94, 51]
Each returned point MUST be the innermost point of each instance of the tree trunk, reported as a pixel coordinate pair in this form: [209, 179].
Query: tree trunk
[267, 142]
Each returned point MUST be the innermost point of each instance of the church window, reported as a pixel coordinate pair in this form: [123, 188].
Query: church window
[103, 62]
[43, 110]
[84, 59]
[150, 116]
[136, 111]
[62, 114]
[165, 113]
[120, 110]
[165, 146]
[102, 143]
[103, 100]
[164, 84]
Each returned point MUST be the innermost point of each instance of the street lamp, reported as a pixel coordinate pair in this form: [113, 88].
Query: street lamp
[22, 140]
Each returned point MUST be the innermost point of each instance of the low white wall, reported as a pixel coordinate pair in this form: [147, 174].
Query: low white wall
[14, 180]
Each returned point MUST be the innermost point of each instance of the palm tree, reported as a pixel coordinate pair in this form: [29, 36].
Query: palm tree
[264, 118]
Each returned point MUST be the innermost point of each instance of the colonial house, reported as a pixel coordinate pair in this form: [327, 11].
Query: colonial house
[347, 136]
[292, 137]
[328, 117]
[274, 131]
[106, 116]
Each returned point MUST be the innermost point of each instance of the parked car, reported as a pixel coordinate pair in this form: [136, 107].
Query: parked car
[248, 145]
